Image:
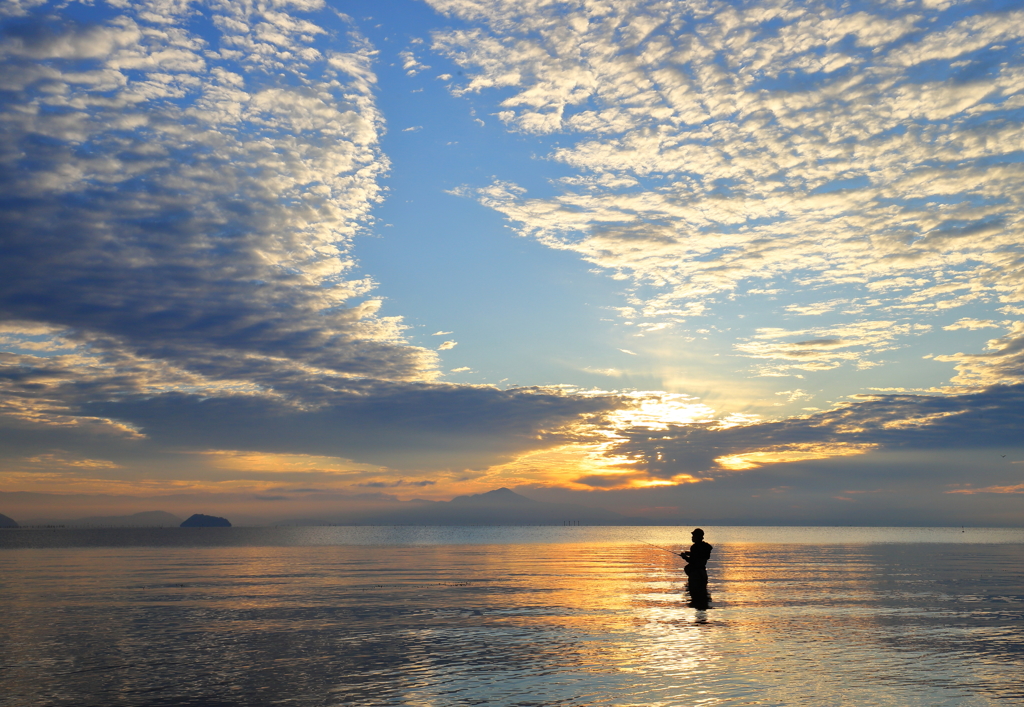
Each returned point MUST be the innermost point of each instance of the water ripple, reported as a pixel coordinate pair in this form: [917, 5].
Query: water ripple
[577, 624]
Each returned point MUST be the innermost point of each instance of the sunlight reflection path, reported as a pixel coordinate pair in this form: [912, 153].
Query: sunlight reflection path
[545, 623]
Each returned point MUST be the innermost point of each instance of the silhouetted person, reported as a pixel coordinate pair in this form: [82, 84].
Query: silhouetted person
[697, 569]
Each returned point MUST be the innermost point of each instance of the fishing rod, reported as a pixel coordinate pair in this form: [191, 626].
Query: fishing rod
[660, 548]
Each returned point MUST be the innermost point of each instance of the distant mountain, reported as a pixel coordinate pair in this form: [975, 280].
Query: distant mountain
[502, 497]
[6, 522]
[146, 519]
[499, 507]
[199, 520]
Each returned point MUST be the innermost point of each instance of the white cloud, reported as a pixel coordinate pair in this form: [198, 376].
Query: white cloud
[1002, 363]
[719, 146]
[813, 309]
[794, 395]
[447, 345]
[968, 35]
[614, 372]
[86, 43]
[822, 348]
[967, 323]
[187, 214]
[411, 65]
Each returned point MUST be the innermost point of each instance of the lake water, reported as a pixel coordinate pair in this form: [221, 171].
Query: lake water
[510, 616]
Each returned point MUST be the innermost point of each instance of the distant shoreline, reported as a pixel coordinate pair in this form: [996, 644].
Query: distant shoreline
[673, 537]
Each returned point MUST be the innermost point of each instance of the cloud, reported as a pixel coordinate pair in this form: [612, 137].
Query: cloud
[411, 65]
[176, 289]
[815, 309]
[794, 395]
[972, 324]
[181, 192]
[421, 426]
[167, 201]
[122, 410]
[821, 348]
[182, 186]
[61, 459]
[395, 484]
[603, 371]
[713, 448]
[1003, 362]
[1016, 488]
[867, 152]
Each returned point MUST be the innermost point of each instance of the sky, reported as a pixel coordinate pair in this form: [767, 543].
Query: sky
[744, 262]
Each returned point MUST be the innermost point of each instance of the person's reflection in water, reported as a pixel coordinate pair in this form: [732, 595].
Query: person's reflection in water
[697, 570]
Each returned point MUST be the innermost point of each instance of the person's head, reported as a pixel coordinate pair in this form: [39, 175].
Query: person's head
[697, 534]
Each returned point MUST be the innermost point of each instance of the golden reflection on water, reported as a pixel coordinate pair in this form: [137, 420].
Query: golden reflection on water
[602, 623]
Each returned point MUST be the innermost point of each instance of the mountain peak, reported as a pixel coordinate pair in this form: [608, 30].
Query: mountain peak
[501, 496]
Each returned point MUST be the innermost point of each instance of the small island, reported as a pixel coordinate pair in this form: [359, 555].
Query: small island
[7, 522]
[198, 520]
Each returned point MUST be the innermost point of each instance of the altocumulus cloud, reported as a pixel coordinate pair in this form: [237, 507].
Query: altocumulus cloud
[168, 195]
[181, 185]
[866, 151]
[861, 160]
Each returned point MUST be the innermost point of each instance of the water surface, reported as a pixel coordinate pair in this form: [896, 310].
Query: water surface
[510, 616]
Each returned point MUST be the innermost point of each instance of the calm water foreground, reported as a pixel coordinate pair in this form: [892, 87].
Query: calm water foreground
[509, 616]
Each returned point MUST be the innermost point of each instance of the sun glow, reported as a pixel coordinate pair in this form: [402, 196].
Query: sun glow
[593, 463]
[657, 410]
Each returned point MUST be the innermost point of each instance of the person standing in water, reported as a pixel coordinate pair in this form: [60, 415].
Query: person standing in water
[697, 567]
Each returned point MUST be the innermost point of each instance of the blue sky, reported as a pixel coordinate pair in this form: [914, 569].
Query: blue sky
[682, 259]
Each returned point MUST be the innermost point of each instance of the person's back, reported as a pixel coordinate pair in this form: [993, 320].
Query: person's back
[699, 554]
